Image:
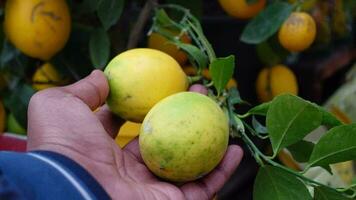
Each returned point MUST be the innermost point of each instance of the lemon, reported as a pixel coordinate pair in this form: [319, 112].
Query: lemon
[39, 28]
[139, 78]
[46, 77]
[184, 137]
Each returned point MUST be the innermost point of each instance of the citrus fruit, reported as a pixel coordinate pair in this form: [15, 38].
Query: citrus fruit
[159, 42]
[13, 125]
[298, 32]
[273, 81]
[2, 118]
[39, 28]
[45, 77]
[184, 137]
[127, 132]
[139, 78]
[241, 9]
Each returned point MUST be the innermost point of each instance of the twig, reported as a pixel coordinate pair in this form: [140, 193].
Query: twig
[140, 24]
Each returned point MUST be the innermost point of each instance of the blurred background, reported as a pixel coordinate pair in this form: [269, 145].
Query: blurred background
[90, 33]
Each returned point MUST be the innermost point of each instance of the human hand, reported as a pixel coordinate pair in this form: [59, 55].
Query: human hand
[62, 120]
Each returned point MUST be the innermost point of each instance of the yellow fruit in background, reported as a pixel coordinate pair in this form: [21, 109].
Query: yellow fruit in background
[39, 28]
[273, 81]
[2, 118]
[241, 9]
[298, 32]
[128, 131]
[45, 77]
[232, 83]
[157, 41]
[139, 78]
[184, 137]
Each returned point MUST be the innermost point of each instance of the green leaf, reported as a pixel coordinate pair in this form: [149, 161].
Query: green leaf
[99, 48]
[260, 109]
[301, 150]
[234, 97]
[17, 102]
[324, 193]
[274, 183]
[337, 145]
[196, 6]
[195, 55]
[109, 12]
[266, 23]
[289, 119]
[221, 70]
[329, 119]
[249, 2]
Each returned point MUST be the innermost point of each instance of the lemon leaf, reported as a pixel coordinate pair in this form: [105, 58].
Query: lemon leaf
[109, 12]
[324, 193]
[99, 48]
[274, 183]
[301, 150]
[289, 119]
[221, 70]
[337, 145]
[260, 109]
[266, 23]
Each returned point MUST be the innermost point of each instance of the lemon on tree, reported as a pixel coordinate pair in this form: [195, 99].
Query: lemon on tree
[159, 42]
[184, 137]
[39, 28]
[276, 80]
[298, 32]
[139, 78]
[45, 77]
[127, 132]
[241, 9]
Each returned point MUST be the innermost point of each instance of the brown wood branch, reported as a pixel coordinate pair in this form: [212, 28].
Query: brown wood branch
[140, 24]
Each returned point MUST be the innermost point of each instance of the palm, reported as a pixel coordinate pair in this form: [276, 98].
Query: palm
[62, 120]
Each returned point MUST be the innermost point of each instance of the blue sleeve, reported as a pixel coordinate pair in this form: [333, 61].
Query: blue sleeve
[45, 175]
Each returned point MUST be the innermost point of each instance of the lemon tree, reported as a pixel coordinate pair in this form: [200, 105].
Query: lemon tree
[287, 120]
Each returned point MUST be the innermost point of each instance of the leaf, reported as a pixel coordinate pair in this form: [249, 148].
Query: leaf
[337, 145]
[259, 128]
[99, 48]
[274, 183]
[17, 102]
[109, 12]
[196, 6]
[260, 109]
[324, 193]
[234, 97]
[238, 124]
[221, 70]
[329, 119]
[266, 23]
[195, 55]
[289, 119]
[301, 150]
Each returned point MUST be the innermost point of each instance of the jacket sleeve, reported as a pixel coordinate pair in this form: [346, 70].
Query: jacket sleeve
[45, 175]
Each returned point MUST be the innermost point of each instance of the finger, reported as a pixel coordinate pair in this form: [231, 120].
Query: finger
[213, 182]
[134, 149]
[110, 122]
[92, 90]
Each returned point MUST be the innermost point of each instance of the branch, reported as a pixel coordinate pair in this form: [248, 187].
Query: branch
[140, 24]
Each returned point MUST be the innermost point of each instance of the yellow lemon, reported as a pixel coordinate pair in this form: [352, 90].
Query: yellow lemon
[39, 28]
[184, 137]
[298, 32]
[45, 77]
[139, 78]
[128, 131]
[241, 9]
[274, 81]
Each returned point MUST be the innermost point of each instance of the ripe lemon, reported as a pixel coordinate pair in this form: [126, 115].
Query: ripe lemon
[159, 42]
[241, 9]
[298, 32]
[39, 28]
[128, 131]
[45, 77]
[184, 137]
[139, 78]
[2, 118]
[274, 81]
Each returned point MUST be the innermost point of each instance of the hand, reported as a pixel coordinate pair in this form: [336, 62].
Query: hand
[62, 120]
